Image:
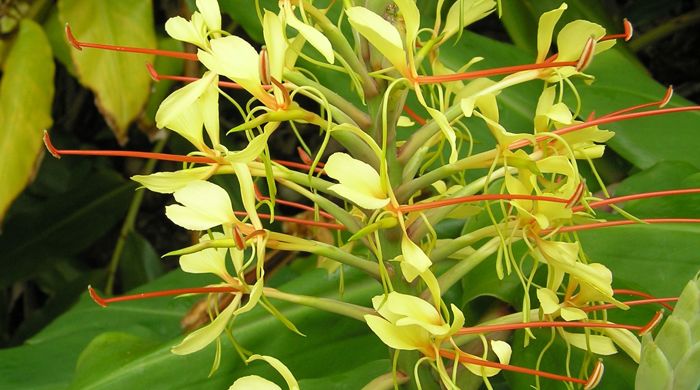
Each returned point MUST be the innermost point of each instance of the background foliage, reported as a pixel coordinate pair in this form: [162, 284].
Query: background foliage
[62, 219]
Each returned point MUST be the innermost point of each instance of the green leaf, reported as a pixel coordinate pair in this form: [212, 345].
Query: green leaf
[62, 226]
[139, 263]
[26, 92]
[119, 80]
[135, 351]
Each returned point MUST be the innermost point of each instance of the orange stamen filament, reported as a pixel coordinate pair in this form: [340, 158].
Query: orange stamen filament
[645, 195]
[629, 303]
[157, 294]
[605, 120]
[491, 72]
[158, 77]
[478, 198]
[590, 226]
[124, 153]
[165, 53]
[292, 164]
[545, 324]
[661, 103]
[464, 358]
[300, 221]
[420, 120]
[300, 206]
[623, 291]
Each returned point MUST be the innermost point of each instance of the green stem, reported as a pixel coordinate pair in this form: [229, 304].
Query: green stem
[358, 116]
[459, 270]
[131, 215]
[326, 304]
[443, 251]
[337, 254]
[665, 29]
[421, 136]
[342, 46]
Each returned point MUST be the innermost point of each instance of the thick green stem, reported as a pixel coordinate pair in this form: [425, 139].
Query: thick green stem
[452, 246]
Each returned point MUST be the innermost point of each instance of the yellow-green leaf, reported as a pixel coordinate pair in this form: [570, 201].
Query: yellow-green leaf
[119, 80]
[26, 93]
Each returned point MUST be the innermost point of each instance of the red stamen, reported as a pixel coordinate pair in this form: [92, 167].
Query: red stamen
[300, 221]
[661, 103]
[240, 244]
[629, 303]
[413, 115]
[254, 233]
[478, 198]
[640, 294]
[292, 164]
[652, 323]
[491, 72]
[644, 195]
[601, 121]
[596, 376]
[259, 196]
[305, 158]
[157, 294]
[590, 226]
[486, 363]
[158, 77]
[627, 35]
[124, 153]
[586, 55]
[545, 324]
[166, 53]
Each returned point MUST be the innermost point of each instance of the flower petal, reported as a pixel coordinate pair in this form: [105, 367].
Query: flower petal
[169, 182]
[313, 36]
[545, 30]
[253, 382]
[600, 345]
[204, 205]
[470, 11]
[549, 302]
[200, 338]
[193, 31]
[359, 182]
[211, 13]
[414, 255]
[280, 367]
[380, 33]
[407, 338]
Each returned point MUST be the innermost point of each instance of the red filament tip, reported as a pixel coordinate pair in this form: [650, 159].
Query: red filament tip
[157, 294]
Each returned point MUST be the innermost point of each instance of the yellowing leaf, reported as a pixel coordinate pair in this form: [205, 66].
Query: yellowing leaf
[26, 93]
[119, 81]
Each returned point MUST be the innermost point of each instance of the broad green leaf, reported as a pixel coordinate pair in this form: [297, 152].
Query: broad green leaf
[119, 80]
[26, 92]
[62, 226]
[139, 263]
[151, 328]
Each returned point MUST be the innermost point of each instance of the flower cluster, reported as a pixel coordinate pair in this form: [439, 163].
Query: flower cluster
[390, 187]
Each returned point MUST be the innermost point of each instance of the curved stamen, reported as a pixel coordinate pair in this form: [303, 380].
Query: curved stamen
[186, 79]
[545, 324]
[165, 53]
[124, 153]
[661, 104]
[292, 164]
[260, 197]
[627, 35]
[623, 291]
[590, 226]
[492, 72]
[644, 195]
[420, 120]
[300, 221]
[629, 303]
[464, 358]
[157, 294]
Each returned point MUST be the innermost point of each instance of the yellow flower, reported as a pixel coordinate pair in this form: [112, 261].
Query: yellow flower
[359, 182]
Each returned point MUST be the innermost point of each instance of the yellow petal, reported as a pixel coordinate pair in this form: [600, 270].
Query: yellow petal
[600, 345]
[247, 190]
[313, 36]
[359, 182]
[414, 255]
[407, 338]
[573, 314]
[204, 205]
[253, 382]
[210, 260]
[447, 131]
[200, 338]
[503, 352]
[549, 302]
[415, 311]
[169, 182]
[380, 33]
[193, 32]
[411, 19]
[466, 12]
[253, 297]
[275, 42]
[280, 367]
[573, 37]
[211, 13]
[545, 29]
[626, 340]
[254, 148]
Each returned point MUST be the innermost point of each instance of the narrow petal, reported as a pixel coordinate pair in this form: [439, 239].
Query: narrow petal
[186, 31]
[169, 182]
[313, 36]
[253, 382]
[380, 33]
[411, 19]
[211, 13]
[414, 255]
[545, 30]
[200, 338]
[280, 367]
[600, 345]
[359, 182]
